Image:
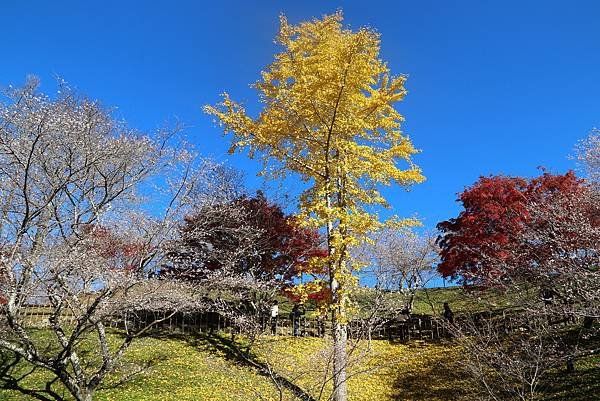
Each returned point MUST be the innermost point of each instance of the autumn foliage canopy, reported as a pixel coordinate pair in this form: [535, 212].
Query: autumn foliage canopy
[275, 247]
[486, 238]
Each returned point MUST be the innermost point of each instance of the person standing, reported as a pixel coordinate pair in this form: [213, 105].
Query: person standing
[295, 316]
[448, 314]
[274, 317]
[321, 319]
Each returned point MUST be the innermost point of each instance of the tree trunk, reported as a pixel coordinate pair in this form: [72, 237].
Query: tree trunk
[85, 396]
[340, 358]
[340, 336]
[338, 317]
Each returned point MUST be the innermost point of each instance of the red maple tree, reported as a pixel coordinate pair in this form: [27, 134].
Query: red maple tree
[281, 249]
[486, 237]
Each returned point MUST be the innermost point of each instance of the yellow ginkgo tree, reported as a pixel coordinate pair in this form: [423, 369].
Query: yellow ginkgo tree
[328, 114]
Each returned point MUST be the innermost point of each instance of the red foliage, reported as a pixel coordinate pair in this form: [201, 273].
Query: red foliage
[485, 234]
[282, 250]
[285, 248]
[323, 296]
[120, 252]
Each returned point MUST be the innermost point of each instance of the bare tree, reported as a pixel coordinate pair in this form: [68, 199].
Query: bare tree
[509, 356]
[74, 185]
[213, 269]
[402, 261]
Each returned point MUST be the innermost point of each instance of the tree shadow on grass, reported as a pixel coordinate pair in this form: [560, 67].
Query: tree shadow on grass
[236, 351]
[581, 385]
[13, 373]
[584, 383]
[438, 377]
[441, 378]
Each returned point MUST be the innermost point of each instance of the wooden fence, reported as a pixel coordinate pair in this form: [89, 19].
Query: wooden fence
[422, 327]
[401, 328]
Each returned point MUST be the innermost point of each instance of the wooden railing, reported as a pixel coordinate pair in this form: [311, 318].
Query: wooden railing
[401, 328]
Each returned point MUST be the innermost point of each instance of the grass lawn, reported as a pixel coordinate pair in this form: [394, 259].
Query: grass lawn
[431, 300]
[181, 371]
[208, 368]
[204, 368]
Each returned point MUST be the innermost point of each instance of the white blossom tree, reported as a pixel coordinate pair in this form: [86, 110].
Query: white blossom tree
[588, 154]
[87, 205]
[402, 261]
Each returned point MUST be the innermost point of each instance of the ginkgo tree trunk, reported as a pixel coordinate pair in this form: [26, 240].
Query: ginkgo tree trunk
[328, 114]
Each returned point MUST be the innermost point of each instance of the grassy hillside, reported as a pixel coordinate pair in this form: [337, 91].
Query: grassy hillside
[202, 367]
[431, 300]
[209, 368]
[213, 368]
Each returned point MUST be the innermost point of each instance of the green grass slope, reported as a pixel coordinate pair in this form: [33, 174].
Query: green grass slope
[203, 368]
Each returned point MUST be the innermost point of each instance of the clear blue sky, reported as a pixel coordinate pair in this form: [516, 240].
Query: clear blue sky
[494, 86]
